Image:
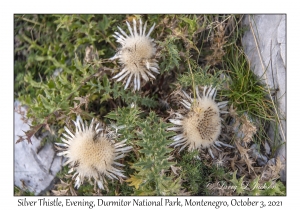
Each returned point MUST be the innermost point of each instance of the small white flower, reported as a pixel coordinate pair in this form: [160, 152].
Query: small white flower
[201, 126]
[91, 153]
[136, 55]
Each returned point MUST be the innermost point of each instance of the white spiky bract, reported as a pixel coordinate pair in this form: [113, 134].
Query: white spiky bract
[201, 126]
[91, 153]
[136, 54]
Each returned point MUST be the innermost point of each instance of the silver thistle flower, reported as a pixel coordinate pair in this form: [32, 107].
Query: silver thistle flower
[136, 55]
[91, 153]
[201, 126]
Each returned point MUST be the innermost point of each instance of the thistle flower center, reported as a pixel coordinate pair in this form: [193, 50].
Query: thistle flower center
[92, 153]
[202, 126]
[135, 50]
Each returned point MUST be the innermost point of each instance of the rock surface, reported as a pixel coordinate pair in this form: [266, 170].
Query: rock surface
[256, 155]
[265, 46]
[33, 170]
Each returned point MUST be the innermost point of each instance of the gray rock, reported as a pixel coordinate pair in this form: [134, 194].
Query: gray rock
[271, 162]
[260, 158]
[267, 148]
[267, 56]
[33, 170]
